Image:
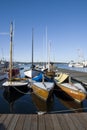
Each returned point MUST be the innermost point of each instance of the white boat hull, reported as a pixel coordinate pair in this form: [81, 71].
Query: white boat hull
[15, 83]
[31, 73]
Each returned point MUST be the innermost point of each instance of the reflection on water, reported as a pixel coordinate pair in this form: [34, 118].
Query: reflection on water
[11, 95]
[34, 103]
[68, 102]
[12, 101]
[42, 105]
[29, 103]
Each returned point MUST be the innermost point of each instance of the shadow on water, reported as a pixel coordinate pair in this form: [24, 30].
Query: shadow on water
[70, 104]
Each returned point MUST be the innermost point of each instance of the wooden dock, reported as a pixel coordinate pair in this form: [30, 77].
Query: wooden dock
[79, 76]
[71, 121]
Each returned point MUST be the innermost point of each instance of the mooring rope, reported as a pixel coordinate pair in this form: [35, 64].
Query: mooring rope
[62, 111]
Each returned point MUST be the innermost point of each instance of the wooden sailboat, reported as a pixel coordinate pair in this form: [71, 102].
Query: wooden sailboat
[13, 81]
[74, 90]
[43, 89]
[33, 71]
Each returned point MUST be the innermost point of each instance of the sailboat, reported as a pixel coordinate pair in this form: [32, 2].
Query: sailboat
[15, 82]
[74, 90]
[33, 71]
[43, 89]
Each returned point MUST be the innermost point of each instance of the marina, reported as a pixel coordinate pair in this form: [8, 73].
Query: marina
[43, 65]
[12, 102]
[23, 107]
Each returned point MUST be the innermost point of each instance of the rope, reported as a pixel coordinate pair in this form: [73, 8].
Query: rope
[21, 91]
[61, 111]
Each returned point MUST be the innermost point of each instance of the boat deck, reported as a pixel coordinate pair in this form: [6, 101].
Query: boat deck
[71, 121]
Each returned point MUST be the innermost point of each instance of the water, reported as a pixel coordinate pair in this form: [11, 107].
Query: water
[72, 68]
[25, 102]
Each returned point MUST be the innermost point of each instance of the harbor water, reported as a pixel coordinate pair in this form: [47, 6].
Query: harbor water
[25, 102]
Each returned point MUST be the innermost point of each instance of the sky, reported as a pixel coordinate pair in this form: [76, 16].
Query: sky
[60, 24]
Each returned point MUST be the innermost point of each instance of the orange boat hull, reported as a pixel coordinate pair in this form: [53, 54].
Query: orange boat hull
[43, 94]
[77, 95]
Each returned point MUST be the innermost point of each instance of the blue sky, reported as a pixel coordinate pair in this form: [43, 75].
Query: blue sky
[66, 23]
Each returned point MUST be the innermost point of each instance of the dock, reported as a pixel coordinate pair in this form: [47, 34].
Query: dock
[71, 121]
[76, 75]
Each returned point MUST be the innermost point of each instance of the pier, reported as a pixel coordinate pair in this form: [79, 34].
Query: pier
[76, 75]
[71, 121]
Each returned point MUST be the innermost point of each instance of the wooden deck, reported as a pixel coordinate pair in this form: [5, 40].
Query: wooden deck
[72, 121]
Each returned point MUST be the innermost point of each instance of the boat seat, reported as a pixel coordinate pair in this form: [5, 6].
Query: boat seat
[61, 78]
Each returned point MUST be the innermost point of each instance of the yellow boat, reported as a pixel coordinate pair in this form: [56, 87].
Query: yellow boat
[74, 90]
[43, 89]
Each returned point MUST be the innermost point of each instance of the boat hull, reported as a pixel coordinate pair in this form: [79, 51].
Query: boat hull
[16, 85]
[42, 93]
[31, 73]
[75, 94]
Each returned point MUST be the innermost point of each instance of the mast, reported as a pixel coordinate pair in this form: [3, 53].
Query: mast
[32, 46]
[11, 36]
[49, 56]
[46, 47]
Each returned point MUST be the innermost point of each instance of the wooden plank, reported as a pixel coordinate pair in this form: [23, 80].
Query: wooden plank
[84, 115]
[27, 123]
[81, 120]
[48, 122]
[20, 122]
[56, 124]
[2, 117]
[34, 122]
[69, 122]
[41, 122]
[7, 120]
[76, 122]
[13, 122]
[62, 122]
[44, 122]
